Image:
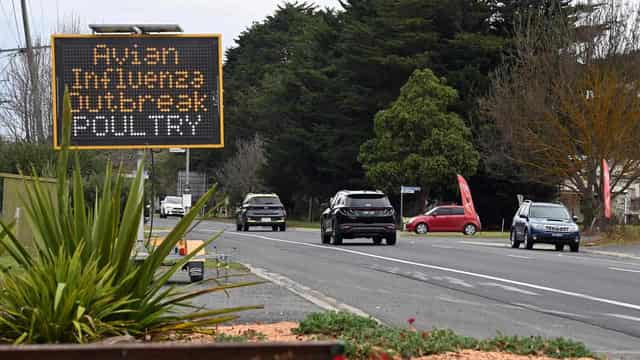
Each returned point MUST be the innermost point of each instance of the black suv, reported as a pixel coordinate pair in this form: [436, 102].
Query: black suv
[547, 223]
[358, 214]
[261, 210]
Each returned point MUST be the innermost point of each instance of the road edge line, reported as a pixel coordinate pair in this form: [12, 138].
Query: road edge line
[313, 296]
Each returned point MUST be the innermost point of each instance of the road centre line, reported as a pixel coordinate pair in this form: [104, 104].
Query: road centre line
[509, 288]
[519, 256]
[483, 243]
[625, 270]
[455, 271]
[442, 246]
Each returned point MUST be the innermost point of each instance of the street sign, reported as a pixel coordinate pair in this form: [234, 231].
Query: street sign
[186, 200]
[409, 189]
[139, 91]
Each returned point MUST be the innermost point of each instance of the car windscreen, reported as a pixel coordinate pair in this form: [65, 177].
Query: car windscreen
[265, 200]
[549, 212]
[173, 200]
[368, 201]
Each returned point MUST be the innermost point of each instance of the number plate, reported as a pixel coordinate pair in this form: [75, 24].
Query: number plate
[266, 219]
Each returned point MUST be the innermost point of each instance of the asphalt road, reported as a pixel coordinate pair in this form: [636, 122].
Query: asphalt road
[477, 287]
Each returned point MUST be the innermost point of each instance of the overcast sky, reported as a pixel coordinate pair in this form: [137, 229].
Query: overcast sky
[228, 17]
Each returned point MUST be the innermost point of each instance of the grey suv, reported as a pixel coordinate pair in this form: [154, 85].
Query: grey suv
[358, 214]
[547, 223]
[261, 210]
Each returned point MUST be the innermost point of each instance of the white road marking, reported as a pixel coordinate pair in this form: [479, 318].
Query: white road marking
[455, 271]
[625, 270]
[420, 276]
[483, 243]
[459, 282]
[550, 311]
[323, 301]
[625, 317]
[510, 288]
[519, 256]
[475, 303]
[442, 246]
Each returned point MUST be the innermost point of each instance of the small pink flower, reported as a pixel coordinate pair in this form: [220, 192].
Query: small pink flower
[411, 320]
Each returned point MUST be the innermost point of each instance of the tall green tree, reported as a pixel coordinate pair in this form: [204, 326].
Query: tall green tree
[418, 141]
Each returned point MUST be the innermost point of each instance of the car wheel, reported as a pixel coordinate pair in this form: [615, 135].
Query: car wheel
[283, 227]
[337, 237]
[245, 228]
[574, 247]
[326, 238]
[470, 230]
[559, 247]
[238, 227]
[377, 240]
[163, 216]
[528, 242]
[391, 239]
[274, 228]
[422, 228]
[514, 243]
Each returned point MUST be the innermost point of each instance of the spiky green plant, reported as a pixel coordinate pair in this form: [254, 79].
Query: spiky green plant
[79, 283]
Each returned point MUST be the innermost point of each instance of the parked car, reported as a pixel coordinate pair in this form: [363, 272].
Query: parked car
[171, 206]
[449, 218]
[261, 210]
[358, 214]
[548, 223]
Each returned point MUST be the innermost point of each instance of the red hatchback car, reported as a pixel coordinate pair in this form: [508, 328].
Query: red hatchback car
[449, 218]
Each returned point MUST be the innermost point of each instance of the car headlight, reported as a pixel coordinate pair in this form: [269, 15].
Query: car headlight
[573, 227]
[537, 226]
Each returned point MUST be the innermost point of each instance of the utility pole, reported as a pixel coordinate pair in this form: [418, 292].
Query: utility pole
[35, 89]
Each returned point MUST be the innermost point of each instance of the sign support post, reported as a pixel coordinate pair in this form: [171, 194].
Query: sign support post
[405, 190]
[140, 250]
[401, 209]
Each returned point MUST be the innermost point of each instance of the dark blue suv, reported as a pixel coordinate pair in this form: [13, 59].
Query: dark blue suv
[547, 223]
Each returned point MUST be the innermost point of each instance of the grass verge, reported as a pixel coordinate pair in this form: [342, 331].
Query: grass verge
[479, 236]
[215, 264]
[364, 338]
[303, 224]
[619, 235]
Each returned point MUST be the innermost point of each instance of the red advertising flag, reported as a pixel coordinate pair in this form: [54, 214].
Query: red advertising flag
[465, 194]
[606, 189]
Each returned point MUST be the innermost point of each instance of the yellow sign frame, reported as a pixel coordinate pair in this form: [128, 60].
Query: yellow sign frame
[56, 143]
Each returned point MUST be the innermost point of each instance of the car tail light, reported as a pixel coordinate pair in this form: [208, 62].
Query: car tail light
[347, 212]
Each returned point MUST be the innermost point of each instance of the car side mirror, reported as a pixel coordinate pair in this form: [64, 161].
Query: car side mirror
[524, 217]
[575, 219]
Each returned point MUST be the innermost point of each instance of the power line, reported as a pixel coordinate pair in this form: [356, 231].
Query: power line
[15, 21]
